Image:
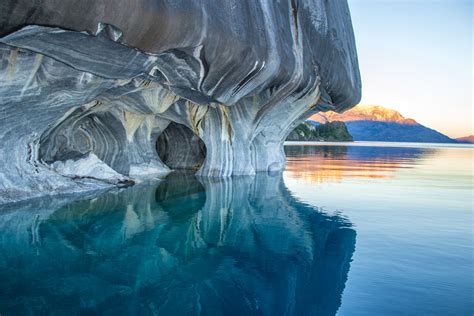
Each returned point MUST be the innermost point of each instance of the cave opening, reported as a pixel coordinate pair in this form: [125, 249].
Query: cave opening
[180, 148]
[100, 133]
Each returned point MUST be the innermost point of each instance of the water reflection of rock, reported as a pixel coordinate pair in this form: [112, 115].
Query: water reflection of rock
[318, 164]
[238, 246]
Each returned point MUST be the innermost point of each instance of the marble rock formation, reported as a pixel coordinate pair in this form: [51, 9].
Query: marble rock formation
[143, 87]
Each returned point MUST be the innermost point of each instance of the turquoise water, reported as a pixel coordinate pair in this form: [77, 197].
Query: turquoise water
[352, 230]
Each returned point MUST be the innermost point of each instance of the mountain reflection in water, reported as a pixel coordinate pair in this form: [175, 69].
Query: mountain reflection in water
[318, 164]
[185, 246]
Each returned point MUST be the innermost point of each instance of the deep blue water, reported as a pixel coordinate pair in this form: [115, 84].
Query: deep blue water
[352, 230]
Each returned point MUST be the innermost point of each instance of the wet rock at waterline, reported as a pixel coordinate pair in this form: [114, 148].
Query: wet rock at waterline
[216, 86]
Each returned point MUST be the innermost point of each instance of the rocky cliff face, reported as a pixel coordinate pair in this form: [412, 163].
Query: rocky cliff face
[88, 98]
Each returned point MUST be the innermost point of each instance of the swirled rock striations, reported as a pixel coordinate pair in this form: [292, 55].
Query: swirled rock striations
[144, 87]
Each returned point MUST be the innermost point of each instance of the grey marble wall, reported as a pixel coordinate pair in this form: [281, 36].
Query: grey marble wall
[109, 77]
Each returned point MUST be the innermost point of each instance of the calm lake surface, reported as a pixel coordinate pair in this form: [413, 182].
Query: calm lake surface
[347, 229]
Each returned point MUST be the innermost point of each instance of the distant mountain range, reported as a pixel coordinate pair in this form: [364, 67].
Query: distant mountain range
[466, 140]
[376, 123]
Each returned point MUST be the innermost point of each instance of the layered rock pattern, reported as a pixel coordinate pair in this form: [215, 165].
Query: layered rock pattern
[224, 83]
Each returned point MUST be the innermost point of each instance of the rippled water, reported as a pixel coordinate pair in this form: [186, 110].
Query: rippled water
[352, 230]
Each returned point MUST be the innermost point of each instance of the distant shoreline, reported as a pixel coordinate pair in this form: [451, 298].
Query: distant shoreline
[381, 144]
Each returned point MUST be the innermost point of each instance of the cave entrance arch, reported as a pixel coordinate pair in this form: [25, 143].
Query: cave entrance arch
[180, 148]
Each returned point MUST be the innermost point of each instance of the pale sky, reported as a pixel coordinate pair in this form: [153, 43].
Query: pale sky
[416, 57]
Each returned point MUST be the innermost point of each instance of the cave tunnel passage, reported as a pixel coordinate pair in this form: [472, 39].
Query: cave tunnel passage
[180, 148]
[101, 133]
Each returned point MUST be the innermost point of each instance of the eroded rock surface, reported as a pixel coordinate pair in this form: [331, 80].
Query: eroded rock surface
[224, 82]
